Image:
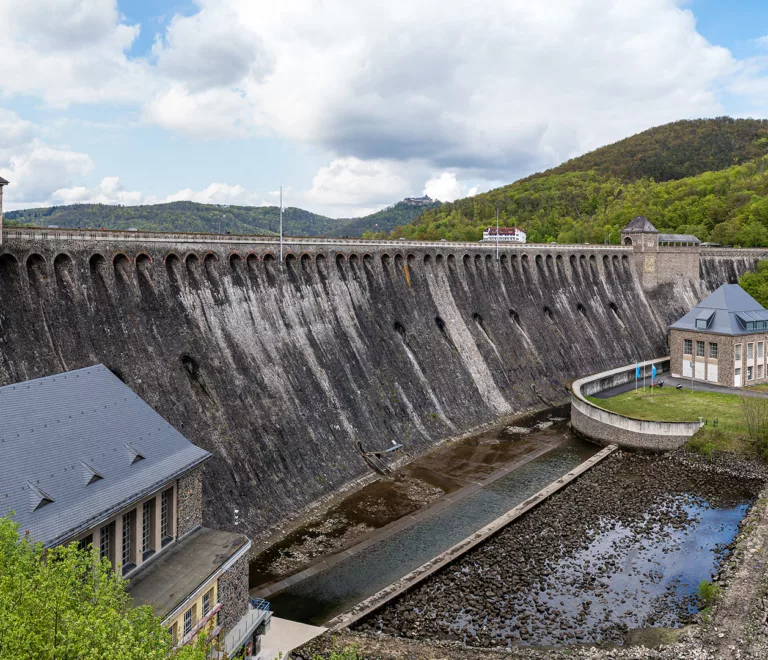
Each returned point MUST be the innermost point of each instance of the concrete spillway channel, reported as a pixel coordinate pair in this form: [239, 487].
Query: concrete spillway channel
[343, 581]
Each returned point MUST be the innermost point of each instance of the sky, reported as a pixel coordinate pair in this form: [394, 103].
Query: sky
[350, 106]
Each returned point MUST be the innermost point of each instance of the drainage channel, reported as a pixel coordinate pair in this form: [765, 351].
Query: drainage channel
[324, 595]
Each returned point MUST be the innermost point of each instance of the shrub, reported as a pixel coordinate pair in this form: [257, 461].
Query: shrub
[708, 592]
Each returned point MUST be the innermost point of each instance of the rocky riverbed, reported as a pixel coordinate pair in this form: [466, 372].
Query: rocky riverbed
[623, 547]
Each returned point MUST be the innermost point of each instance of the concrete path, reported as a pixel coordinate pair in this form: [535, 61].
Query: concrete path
[284, 636]
[669, 381]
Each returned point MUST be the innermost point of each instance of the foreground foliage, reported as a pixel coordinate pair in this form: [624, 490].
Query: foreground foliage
[63, 604]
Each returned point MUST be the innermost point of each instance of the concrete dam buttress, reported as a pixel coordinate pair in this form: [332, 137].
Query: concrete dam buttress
[281, 370]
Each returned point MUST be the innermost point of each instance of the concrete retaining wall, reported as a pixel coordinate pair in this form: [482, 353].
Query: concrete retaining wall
[605, 427]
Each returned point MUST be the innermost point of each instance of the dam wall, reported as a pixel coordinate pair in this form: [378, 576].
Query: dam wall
[288, 372]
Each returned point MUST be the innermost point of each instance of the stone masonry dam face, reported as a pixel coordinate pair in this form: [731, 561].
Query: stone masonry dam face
[285, 372]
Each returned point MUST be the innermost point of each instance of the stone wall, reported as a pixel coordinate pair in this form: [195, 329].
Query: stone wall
[189, 501]
[605, 427]
[233, 594]
[279, 370]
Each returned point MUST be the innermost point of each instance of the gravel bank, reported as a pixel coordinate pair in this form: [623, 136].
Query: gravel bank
[512, 590]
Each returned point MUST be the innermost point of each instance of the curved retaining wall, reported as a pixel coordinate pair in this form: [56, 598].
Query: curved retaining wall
[605, 427]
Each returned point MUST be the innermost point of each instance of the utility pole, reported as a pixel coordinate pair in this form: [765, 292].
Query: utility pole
[497, 233]
[281, 224]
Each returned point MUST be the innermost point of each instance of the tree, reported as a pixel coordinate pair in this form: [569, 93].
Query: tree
[756, 283]
[64, 604]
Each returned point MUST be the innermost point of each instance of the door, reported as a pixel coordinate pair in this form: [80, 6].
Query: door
[699, 366]
[737, 377]
[687, 373]
[712, 373]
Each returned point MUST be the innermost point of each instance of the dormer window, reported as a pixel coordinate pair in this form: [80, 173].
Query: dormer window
[90, 474]
[38, 498]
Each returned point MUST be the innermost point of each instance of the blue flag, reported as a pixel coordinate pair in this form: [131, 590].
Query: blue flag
[653, 371]
[637, 371]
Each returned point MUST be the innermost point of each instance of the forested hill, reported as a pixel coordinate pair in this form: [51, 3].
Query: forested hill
[704, 177]
[384, 221]
[194, 217]
[179, 216]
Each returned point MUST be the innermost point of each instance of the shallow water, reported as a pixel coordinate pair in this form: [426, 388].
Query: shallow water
[639, 578]
[325, 595]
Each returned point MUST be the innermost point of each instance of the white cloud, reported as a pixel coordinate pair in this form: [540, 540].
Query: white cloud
[109, 191]
[70, 51]
[444, 187]
[217, 193]
[36, 169]
[489, 87]
[351, 181]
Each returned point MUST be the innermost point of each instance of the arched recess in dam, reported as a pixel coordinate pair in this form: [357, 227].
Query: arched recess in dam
[281, 369]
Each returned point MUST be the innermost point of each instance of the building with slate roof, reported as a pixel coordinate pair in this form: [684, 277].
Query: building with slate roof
[85, 460]
[722, 340]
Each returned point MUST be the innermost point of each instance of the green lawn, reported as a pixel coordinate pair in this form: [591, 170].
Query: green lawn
[671, 405]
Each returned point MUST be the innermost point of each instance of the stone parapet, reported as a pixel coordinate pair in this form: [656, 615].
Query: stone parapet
[605, 427]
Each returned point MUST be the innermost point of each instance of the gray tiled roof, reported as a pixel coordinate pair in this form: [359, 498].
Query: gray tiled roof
[59, 434]
[640, 224]
[3, 182]
[721, 310]
[678, 238]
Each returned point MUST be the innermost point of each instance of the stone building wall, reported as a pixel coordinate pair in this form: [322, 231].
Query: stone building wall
[189, 501]
[233, 594]
[725, 355]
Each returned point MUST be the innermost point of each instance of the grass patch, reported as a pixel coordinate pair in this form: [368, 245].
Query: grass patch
[758, 388]
[671, 405]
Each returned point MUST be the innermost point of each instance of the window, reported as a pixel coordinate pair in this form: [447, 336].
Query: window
[147, 522]
[759, 371]
[737, 352]
[104, 542]
[165, 505]
[126, 554]
[85, 544]
[207, 601]
[759, 350]
[688, 346]
[750, 373]
[750, 351]
[699, 349]
[713, 351]
[189, 620]
[175, 633]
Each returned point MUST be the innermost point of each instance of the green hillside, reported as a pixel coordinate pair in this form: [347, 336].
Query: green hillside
[682, 176]
[382, 222]
[194, 217]
[180, 216]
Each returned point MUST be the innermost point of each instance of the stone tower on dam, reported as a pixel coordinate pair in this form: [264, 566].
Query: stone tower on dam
[284, 371]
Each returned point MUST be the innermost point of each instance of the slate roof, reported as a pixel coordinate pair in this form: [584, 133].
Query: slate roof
[722, 310]
[678, 238]
[640, 224]
[77, 447]
[3, 182]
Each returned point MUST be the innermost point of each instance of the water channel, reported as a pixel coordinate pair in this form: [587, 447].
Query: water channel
[320, 597]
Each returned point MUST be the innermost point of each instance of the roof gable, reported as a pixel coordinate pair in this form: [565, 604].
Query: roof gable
[729, 310]
[68, 457]
[640, 225]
